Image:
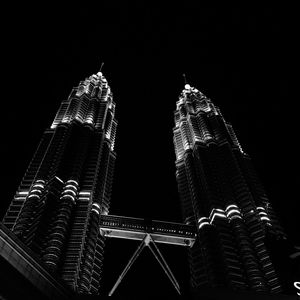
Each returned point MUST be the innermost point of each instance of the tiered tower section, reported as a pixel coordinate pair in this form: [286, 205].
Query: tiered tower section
[222, 195]
[67, 186]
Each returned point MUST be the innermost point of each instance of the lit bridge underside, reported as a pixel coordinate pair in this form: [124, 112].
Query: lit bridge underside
[136, 228]
[149, 232]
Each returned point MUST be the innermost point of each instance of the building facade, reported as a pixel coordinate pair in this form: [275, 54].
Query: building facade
[67, 186]
[221, 194]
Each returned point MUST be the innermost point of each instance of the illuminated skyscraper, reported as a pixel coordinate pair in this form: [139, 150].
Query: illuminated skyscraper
[56, 209]
[221, 194]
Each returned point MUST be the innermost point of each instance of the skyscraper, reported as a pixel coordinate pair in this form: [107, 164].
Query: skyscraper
[56, 209]
[221, 194]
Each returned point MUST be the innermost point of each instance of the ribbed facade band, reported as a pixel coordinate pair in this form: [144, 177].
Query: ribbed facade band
[57, 208]
[221, 194]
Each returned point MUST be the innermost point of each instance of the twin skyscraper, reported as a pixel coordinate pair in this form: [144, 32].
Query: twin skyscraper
[64, 196]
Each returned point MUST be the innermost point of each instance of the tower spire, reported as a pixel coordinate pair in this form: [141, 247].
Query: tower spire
[186, 85]
[101, 66]
[184, 77]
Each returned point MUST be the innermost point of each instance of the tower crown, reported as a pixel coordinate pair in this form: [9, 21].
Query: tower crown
[199, 121]
[189, 89]
[93, 86]
[91, 103]
[191, 95]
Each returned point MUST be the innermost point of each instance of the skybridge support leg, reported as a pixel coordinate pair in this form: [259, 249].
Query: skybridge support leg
[148, 241]
[164, 265]
[128, 266]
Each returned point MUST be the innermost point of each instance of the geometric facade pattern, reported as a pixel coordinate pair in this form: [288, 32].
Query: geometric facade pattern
[222, 196]
[60, 210]
[56, 209]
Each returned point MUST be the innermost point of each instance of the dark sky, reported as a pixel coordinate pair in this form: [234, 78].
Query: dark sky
[242, 59]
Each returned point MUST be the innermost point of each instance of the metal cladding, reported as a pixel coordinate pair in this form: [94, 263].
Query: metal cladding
[221, 194]
[67, 186]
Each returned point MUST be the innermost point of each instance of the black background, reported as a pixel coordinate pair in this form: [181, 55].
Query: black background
[243, 59]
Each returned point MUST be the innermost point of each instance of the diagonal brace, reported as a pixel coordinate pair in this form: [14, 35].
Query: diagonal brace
[128, 266]
[147, 241]
[164, 265]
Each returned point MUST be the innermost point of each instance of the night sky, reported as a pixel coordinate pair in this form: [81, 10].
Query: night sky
[241, 59]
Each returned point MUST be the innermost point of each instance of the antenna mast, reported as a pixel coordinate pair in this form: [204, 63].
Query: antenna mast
[184, 78]
[101, 66]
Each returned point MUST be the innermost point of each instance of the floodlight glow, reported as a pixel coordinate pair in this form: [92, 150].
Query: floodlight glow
[69, 191]
[231, 206]
[38, 185]
[85, 193]
[201, 219]
[33, 196]
[233, 211]
[203, 224]
[36, 191]
[71, 180]
[67, 197]
[217, 215]
[71, 186]
[23, 193]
